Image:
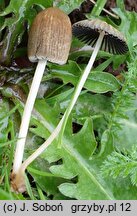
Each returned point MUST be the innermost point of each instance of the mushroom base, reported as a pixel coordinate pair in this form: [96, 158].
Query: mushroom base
[18, 182]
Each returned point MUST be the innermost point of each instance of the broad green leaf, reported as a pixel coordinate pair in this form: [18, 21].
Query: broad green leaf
[98, 82]
[101, 82]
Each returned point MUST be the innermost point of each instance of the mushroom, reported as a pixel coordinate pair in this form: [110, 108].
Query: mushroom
[90, 31]
[101, 35]
[49, 40]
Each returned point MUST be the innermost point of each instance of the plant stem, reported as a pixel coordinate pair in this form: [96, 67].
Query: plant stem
[98, 7]
[62, 123]
[27, 115]
[106, 11]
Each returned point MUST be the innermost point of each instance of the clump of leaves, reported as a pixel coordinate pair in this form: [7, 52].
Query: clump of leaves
[98, 156]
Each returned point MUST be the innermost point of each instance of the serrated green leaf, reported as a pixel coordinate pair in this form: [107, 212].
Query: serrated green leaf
[47, 182]
[80, 163]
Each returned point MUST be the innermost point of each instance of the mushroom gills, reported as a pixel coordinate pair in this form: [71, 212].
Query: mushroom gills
[88, 31]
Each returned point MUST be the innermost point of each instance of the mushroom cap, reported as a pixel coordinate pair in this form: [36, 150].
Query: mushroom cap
[50, 36]
[88, 31]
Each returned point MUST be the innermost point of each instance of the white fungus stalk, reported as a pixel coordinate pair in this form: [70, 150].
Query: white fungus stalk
[27, 115]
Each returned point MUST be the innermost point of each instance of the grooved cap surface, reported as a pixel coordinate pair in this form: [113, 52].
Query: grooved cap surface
[89, 30]
[50, 36]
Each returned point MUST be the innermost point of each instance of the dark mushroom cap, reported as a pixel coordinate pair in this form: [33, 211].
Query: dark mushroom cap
[88, 31]
[50, 36]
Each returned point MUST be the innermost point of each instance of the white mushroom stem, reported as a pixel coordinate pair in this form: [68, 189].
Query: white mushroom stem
[81, 83]
[27, 115]
[62, 123]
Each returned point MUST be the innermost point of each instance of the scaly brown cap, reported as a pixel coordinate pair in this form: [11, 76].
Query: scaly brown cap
[50, 36]
[89, 30]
